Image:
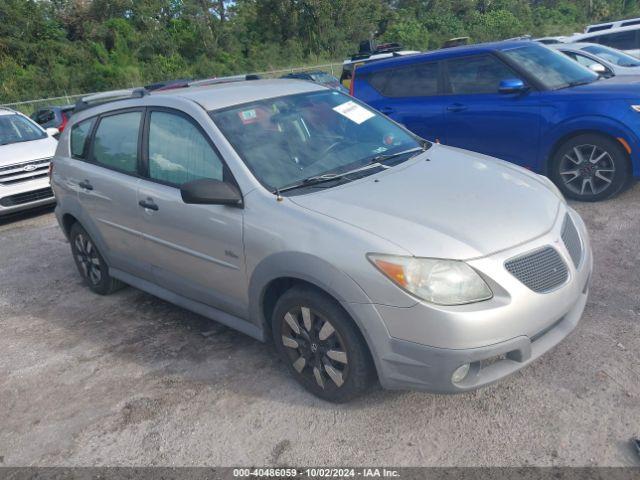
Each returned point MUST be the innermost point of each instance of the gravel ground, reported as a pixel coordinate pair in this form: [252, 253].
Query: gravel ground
[131, 380]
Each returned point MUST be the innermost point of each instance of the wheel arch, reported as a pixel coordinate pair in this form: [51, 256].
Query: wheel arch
[67, 222]
[612, 130]
[279, 272]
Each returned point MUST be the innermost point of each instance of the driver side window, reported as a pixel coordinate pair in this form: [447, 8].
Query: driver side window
[178, 151]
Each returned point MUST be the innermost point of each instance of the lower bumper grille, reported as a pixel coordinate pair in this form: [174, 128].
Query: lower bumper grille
[541, 270]
[26, 197]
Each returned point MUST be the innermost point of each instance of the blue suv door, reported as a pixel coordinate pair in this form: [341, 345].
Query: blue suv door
[409, 94]
[479, 118]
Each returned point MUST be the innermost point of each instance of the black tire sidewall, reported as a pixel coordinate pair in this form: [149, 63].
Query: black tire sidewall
[361, 372]
[620, 160]
[106, 282]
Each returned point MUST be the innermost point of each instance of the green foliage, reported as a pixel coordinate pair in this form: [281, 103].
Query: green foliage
[55, 47]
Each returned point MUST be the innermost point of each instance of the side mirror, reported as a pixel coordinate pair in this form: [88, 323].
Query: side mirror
[512, 85]
[206, 191]
[598, 68]
[52, 132]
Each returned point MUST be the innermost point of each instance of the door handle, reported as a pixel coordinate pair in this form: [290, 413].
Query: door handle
[148, 204]
[85, 185]
[456, 107]
[386, 110]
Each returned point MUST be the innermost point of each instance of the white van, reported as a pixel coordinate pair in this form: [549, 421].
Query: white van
[598, 27]
[625, 38]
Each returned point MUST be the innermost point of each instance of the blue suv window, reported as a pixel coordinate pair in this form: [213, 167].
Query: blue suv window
[416, 80]
[473, 75]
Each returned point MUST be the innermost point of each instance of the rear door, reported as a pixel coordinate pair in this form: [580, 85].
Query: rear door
[410, 95]
[478, 118]
[195, 250]
[107, 188]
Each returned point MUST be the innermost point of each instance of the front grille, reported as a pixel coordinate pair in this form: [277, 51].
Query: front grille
[571, 240]
[26, 197]
[25, 171]
[541, 270]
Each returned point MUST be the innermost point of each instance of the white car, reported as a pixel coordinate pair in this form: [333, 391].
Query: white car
[605, 61]
[26, 150]
[625, 38]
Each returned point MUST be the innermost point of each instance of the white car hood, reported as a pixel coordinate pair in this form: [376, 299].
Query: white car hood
[26, 151]
[457, 204]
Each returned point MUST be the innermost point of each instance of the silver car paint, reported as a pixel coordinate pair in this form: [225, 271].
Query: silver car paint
[19, 154]
[445, 203]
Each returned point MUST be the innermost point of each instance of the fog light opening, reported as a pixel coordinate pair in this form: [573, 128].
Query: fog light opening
[460, 373]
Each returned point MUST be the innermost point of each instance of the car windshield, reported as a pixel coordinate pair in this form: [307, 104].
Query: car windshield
[287, 139]
[612, 55]
[16, 128]
[553, 69]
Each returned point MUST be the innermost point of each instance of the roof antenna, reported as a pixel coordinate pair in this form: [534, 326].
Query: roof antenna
[278, 196]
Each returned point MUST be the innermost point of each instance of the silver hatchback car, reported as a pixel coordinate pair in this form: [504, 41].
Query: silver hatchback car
[293, 212]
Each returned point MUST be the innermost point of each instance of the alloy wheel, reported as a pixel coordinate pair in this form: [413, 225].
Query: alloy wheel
[87, 257]
[587, 169]
[315, 348]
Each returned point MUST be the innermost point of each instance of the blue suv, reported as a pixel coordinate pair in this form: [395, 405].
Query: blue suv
[519, 101]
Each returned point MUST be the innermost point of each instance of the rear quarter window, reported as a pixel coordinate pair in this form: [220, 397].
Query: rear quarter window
[79, 134]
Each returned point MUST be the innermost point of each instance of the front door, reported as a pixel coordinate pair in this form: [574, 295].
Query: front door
[195, 250]
[480, 119]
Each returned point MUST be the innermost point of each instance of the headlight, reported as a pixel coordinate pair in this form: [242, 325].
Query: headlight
[635, 108]
[443, 282]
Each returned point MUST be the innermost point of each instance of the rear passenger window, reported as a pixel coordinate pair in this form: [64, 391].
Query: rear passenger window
[79, 134]
[115, 143]
[474, 75]
[178, 152]
[417, 80]
[620, 40]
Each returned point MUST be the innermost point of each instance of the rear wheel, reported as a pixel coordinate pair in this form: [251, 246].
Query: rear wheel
[91, 266]
[590, 167]
[322, 347]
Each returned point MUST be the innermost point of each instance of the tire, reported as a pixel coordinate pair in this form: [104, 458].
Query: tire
[340, 357]
[578, 173]
[90, 263]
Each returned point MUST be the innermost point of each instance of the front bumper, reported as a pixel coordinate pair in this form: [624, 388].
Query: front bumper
[424, 344]
[415, 366]
[25, 195]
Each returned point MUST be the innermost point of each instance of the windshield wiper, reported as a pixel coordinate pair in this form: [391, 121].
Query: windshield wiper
[577, 83]
[328, 177]
[389, 156]
[375, 162]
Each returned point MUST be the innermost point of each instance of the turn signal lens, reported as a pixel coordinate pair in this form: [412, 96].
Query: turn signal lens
[442, 282]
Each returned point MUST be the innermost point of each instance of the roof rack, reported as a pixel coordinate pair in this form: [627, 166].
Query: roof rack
[218, 80]
[106, 97]
[369, 48]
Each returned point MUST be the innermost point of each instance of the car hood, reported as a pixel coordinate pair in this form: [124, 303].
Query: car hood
[445, 203]
[620, 86]
[25, 151]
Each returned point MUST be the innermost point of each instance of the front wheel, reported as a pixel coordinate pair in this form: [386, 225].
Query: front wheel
[590, 167]
[321, 345]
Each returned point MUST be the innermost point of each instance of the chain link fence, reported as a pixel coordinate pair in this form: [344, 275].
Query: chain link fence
[30, 106]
